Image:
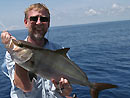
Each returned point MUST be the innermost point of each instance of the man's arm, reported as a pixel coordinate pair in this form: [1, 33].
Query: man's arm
[21, 76]
[21, 79]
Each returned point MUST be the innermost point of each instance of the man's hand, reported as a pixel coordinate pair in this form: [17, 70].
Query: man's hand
[64, 86]
[6, 40]
[6, 37]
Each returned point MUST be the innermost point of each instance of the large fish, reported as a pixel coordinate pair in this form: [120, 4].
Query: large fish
[52, 64]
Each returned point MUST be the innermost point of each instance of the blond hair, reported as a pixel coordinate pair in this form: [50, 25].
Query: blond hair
[38, 7]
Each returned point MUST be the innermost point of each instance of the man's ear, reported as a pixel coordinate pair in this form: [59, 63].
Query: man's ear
[25, 22]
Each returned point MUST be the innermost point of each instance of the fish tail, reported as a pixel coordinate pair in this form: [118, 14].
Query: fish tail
[97, 87]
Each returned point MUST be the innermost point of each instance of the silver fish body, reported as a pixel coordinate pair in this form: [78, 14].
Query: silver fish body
[48, 63]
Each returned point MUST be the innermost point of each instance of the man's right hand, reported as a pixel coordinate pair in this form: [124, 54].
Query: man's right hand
[6, 37]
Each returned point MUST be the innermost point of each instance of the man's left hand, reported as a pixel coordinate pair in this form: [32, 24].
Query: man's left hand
[64, 86]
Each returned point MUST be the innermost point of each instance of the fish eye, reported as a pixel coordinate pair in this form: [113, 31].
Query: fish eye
[20, 45]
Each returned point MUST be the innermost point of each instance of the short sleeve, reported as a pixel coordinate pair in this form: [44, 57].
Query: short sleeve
[10, 66]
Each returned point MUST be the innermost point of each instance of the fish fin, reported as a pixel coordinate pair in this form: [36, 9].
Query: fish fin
[62, 51]
[97, 87]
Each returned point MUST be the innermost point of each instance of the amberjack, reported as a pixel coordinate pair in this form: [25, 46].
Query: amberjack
[52, 64]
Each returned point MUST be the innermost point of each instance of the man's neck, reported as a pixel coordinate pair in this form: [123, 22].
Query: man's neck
[36, 42]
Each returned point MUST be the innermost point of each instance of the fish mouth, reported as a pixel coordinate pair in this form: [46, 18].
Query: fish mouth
[17, 43]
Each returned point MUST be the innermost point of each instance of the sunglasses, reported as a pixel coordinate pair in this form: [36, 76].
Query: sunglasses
[42, 19]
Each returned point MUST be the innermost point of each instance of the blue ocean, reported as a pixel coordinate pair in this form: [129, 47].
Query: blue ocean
[101, 50]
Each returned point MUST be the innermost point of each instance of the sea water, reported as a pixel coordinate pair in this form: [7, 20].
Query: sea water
[101, 50]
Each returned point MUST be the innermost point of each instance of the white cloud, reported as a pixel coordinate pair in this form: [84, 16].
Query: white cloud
[86, 14]
[91, 12]
[114, 10]
[118, 8]
[115, 6]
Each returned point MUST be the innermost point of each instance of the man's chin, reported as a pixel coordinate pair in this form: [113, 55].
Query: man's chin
[39, 37]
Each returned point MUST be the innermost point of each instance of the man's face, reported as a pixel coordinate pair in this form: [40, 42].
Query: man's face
[37, 23]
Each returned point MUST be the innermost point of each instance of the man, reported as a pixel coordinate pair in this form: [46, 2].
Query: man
[24, 85]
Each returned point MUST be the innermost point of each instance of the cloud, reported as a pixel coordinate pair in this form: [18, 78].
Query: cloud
[91, 12]
[86, 14]
[115, 6]
[115, 9]
[118, 8]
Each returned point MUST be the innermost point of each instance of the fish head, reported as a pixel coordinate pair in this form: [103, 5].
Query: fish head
[26, 45]
[19, 53]
[20, 43]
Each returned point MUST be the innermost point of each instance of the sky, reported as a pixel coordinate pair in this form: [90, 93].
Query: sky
[65, 12]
